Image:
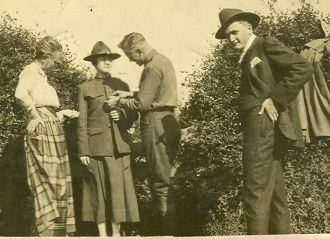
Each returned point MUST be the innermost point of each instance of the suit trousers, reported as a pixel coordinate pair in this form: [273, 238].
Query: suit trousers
[160, 138]
[264, 194]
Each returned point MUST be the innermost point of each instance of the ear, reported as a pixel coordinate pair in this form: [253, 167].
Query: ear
[138, 50]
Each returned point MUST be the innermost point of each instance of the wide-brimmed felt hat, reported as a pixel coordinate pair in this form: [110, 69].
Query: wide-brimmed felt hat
[101, 49]
[229, 15]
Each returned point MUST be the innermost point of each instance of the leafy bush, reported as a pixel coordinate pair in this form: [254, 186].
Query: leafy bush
[209, 179]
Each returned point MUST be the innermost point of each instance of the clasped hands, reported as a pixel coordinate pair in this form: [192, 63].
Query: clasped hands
[112, 102]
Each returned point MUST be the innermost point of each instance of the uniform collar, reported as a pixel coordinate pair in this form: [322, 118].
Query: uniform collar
[103, 77]
[247, 47]
[150, 56]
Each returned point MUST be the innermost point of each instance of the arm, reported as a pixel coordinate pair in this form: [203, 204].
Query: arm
[149, 84]
[82, 136]
[22, 93]
[127, 115]
[295, 69]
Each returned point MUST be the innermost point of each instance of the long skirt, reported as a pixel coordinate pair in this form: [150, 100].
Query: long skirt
[108, 191]
[49, 177]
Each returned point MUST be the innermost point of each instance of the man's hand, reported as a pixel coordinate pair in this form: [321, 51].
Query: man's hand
[112, 101]
[123, 94]
[85, 160]
[114, 114]
[270, 109]
[33, 124]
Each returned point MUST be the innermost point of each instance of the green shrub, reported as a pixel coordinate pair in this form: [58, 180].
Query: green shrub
[209, 178]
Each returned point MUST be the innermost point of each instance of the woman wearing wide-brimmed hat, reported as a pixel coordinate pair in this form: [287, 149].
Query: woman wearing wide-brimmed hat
[48, 169]
[108, 192]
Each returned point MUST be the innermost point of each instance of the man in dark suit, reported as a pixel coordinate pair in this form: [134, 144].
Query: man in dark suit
[272, 76]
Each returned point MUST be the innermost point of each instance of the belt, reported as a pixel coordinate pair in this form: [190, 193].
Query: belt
[51, 109]
[161, 109]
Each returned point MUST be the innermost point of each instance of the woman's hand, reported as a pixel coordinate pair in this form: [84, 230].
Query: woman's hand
[67, 113]
[114, 114]
[33, 124]
[85, 160]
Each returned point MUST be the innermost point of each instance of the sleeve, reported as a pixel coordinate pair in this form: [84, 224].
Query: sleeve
[82, 136]
[128, 115]
[150, 81]
[23, 90]
[296, 71]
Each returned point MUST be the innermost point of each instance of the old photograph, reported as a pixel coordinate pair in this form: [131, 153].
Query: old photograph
[176, 118]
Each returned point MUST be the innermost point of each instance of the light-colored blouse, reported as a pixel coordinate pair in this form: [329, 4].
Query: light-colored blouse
[33, 89]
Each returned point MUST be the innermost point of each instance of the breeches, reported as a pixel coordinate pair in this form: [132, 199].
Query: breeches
[160, 137]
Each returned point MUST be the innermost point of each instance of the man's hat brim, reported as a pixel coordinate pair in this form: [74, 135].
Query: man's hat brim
[250, 17]
[113, 56]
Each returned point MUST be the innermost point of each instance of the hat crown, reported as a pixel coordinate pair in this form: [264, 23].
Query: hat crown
[100, 48]
[228, 13]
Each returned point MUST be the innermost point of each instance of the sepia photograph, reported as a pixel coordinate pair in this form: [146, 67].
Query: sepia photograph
[161, 119]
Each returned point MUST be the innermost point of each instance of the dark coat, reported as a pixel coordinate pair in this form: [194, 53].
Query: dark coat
[273, 70]
[97, 133]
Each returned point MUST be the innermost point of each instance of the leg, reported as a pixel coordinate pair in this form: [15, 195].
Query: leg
[279, 215]
[115, 229]
[122, 198]
[102, 229]
[97, 167]
[160, 139]
[259, 172]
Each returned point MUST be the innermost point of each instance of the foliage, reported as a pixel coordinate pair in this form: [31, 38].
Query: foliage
[209, 179]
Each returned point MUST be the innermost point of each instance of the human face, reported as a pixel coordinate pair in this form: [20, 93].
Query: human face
[50, 61]
[238, 34]
[135, 55]
[103, 64]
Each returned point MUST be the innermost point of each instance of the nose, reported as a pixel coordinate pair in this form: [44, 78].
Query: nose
[231, 38]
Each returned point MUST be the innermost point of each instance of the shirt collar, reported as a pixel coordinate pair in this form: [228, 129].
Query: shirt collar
[247, 47]
[38, 68]
[103, 77]
[150, 56]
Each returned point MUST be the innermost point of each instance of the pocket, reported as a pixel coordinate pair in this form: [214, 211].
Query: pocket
[94, 131]
[265, 123]
[95, 140]
[94, 93]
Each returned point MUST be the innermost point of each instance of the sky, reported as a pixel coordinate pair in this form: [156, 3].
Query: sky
[183, 30]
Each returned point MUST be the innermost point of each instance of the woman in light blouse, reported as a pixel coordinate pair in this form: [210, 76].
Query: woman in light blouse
[48, 170]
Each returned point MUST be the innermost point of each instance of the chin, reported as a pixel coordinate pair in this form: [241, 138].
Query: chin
[238, 47]
[105, 70]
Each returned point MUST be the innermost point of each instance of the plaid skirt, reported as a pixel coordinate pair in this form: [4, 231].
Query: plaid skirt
[49, 177]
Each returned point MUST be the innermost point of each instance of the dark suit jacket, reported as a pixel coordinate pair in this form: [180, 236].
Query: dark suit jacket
[98, 135]
[270, 69]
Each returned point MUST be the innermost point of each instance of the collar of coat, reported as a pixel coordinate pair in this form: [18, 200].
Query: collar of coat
[247, 47]
[103, 77]
[150, 56]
